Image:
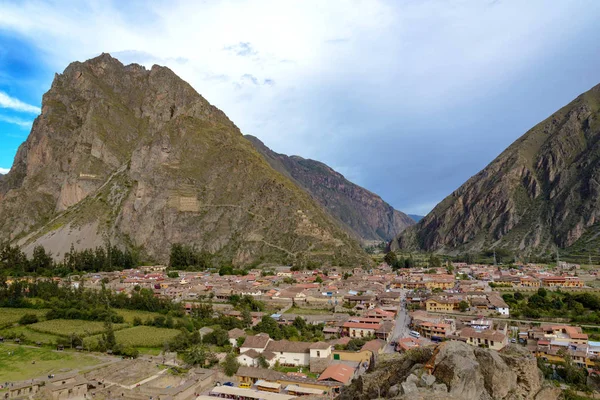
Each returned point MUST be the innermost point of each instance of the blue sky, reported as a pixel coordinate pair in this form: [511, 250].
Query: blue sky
[406, 98]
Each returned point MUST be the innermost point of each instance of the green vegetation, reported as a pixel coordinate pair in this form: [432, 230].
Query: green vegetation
[16, 361]
[10, 316]
[138, 336]
[62, 327]
[302, 370]
[582, 308]
[14, 262]
[29, 336]
[307, 311]
[185, 257]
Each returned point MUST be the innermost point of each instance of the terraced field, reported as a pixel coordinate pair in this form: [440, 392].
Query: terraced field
[66, 327]
[9, 316]
[140, 336]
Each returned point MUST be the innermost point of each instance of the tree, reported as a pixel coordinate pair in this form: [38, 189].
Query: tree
[519, 296]
[231, 364]
[390, 258]
[262, 362]
[319, 279]
[463, 306]
[434, 262]
[28, 319]
[199, 355]
[173, 274]
[542, 292]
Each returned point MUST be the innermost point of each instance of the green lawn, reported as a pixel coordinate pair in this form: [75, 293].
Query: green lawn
[308, 311]
[141, 336]
[65, 327]
[18, 365]
[9, 316]
[304, 370]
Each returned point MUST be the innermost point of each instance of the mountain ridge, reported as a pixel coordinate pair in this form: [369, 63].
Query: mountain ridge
[361, 211]
[540, 193]
[136, 156]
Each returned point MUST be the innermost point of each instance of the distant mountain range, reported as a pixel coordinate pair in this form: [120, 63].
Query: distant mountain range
[415, 217]
[360, 211]
[542, 192]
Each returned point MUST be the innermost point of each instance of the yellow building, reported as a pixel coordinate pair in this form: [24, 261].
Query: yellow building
[441, 304]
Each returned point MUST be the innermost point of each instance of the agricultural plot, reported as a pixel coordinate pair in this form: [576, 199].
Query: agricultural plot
[29, 335]
[140, 336]
[129, 315]
[9, 316]
[16, 362]
[66, 327]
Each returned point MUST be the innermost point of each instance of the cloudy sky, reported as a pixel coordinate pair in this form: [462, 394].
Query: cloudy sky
[408, 98]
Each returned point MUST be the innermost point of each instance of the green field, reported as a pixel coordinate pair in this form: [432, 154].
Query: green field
[30, 335]
[18, 366]
[66, 327]
[140, 336]
[129, 315]
[9, 316]
[308, 311]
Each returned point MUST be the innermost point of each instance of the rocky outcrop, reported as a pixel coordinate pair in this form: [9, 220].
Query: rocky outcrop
[138, 157]
[543, 191]
[362, 212]
[455, 370]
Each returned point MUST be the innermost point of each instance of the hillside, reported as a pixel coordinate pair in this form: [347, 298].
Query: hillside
[138, 157]
[363, 213]
[541, 192]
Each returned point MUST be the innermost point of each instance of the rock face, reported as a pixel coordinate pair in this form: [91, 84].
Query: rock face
[363, 213]
[138, 157]
[544, 190]
[459, 371]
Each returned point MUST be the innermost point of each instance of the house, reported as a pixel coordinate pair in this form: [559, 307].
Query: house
[498, 304]
[492, 339]
[290, 353]
[442, 304]
[251, 358]
[234, 335]
[360, 329]
[341, 373]
[257, 342]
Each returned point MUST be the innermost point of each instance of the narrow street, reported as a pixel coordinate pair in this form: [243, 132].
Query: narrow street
[402, 321]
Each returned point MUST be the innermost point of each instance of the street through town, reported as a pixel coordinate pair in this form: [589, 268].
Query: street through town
[401, 329]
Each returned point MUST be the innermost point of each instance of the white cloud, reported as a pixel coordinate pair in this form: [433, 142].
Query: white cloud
[340, 81]
[4, 171]
[16, 121]
[17, 105]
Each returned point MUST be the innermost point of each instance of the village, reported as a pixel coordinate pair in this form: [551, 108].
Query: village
[364, 313]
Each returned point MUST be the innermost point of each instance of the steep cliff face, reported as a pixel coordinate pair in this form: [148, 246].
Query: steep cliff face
[540, 192]
[456, 371]
[363, 213]
[138, 157]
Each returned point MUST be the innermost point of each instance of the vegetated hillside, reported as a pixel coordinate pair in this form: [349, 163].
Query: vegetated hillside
[139, 158]
[541, 192]
[362, 212]
[455, 370]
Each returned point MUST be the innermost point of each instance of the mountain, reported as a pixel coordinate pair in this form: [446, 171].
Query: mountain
[361, 212]
[416, 217]
[542, 191]
[138, 157]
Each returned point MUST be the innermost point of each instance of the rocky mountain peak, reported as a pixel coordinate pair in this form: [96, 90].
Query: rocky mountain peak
[138, 157]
